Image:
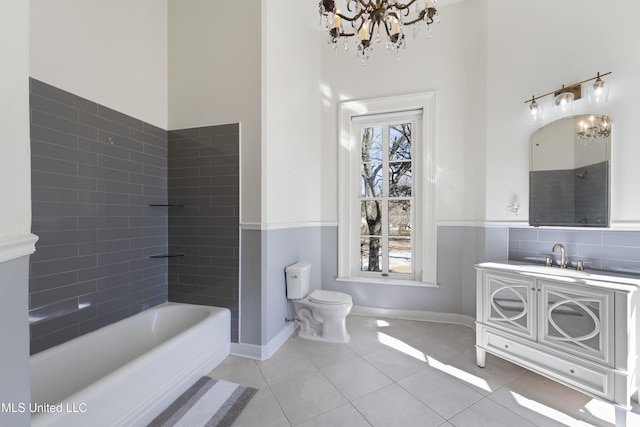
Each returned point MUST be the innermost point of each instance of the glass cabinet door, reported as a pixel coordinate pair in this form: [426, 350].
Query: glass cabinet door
[510, 303]
[576, 320]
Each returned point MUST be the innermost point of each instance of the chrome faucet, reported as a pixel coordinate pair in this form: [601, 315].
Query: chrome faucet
[563, 255]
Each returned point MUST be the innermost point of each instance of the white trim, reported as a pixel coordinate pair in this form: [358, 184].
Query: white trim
[460, 223]
[505, 224]
[420, 315]
[347, 161]
[286, 225]
[620, 225]
[263, 352]
[615, 225]
[17, 246]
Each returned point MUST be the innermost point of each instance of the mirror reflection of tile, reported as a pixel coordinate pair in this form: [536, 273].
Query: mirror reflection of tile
[570, 197]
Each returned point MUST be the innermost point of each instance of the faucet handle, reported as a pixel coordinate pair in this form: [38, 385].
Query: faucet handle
[548, 261]
[581, 263]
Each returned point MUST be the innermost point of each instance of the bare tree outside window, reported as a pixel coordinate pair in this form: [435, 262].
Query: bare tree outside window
[386, 197]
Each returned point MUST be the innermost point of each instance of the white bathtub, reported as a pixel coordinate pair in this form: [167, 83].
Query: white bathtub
[126, 373]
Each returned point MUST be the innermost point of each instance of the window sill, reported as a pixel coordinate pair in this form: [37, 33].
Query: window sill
[393, 282]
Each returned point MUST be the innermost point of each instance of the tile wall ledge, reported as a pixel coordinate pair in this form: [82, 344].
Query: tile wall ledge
[17, 246]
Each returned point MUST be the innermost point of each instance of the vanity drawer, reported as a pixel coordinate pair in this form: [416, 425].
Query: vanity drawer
[590, 378]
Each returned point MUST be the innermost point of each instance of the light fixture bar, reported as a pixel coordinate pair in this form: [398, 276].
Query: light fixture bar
[574, 88]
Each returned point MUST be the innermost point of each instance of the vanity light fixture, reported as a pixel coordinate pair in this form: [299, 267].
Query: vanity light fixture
[369, 20]
[564, 97]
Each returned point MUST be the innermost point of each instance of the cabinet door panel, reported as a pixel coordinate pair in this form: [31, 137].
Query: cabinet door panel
[575, 320]
[510, 304]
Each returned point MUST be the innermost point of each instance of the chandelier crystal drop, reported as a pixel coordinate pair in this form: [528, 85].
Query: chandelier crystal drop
[369, 22]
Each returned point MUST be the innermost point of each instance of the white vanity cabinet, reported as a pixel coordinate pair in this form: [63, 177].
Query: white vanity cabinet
[577, 328]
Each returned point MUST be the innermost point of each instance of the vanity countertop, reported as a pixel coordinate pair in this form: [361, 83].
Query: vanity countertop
[616, 281]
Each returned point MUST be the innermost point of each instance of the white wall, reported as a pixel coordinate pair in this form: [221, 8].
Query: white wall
[110, 52]
[291, 111]
[453, 64]
[215, 78]
[15, 160]
[536, 47]
[15, 215]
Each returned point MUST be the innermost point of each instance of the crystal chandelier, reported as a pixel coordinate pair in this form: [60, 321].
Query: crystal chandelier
[373, 20]
[597, 127]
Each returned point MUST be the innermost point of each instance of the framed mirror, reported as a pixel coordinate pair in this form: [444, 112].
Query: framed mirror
[569, 172]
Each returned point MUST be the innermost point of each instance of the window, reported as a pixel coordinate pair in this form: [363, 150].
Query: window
[386, 222]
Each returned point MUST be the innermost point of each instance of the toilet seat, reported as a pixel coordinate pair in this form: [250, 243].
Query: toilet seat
[329, 297]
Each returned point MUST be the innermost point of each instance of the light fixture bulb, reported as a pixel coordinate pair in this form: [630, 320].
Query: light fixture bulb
[535, 111]
[563, 102]
[598, 92]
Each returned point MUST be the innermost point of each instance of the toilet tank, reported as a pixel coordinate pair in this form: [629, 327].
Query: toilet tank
[298, 278]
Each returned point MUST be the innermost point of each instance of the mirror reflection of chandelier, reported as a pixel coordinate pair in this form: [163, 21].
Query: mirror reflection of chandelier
[369, 21]
[596, 127]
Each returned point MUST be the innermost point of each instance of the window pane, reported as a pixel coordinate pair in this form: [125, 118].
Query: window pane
[400, 179]
[370, 254]
[371, 218]
[371, 144]
[371, 184]
[400, 142]
[399, 255]
[400, 218]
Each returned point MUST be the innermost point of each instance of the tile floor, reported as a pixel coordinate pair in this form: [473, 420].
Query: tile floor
[403, 373]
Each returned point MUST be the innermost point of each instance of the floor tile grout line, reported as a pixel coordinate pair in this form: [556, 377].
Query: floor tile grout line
[272, 393]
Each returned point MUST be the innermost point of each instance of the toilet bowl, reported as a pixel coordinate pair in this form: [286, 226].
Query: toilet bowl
[322, 314]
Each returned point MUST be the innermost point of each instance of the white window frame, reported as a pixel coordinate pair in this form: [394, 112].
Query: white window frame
[350, 184]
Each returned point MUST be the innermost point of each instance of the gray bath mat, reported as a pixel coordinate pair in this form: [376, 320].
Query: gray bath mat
[209, 402]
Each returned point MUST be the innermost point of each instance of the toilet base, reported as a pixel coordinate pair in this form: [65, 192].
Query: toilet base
[328, 325]
[315, 336]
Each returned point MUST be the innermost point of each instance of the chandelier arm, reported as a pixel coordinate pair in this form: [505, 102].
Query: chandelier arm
[363, 4]
[351, 19]
[567, 87]
[386, 29]
[415, 21]
[401, 6]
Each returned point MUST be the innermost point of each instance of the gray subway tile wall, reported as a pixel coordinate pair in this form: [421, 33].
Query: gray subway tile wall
[204, 177]
[616, 251]
[94, 173]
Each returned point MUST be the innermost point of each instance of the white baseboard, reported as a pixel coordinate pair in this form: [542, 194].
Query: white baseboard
[263, 352]
[420, 315]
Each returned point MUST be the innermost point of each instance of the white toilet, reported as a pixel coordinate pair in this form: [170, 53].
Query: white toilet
[323, 313]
